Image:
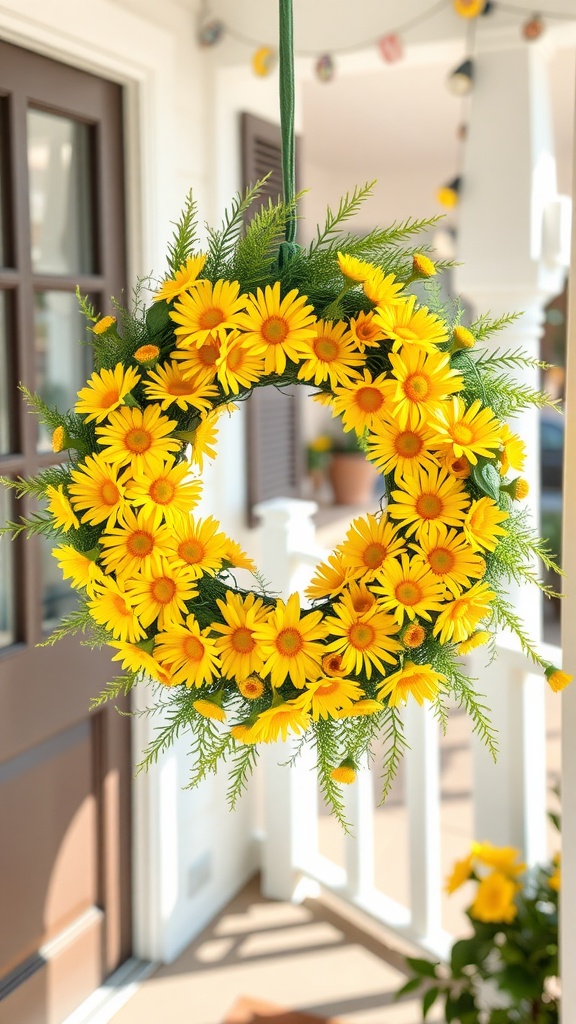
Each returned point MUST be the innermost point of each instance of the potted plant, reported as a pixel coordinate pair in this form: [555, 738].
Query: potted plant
[352, 477]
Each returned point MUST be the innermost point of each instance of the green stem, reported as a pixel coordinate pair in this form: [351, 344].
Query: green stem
[286, 50]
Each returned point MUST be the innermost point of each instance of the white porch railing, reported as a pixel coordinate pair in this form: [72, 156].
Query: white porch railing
[509, 797]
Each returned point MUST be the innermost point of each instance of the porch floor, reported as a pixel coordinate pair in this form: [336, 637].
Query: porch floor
[315, 957]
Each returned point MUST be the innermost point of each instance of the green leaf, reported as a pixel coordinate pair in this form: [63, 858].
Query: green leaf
[464, 952]
[424, 967]
[157, 318]
[410, 986]
[487, 478]
[429, 999]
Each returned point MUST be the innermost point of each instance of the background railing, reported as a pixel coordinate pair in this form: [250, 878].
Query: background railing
[508, 798]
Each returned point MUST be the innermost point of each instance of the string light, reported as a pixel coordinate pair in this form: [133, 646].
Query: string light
[460, 80]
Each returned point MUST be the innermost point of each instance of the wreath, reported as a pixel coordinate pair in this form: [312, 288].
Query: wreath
[414, 586]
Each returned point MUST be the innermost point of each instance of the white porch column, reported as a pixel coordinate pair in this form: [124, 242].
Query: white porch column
[508, 182]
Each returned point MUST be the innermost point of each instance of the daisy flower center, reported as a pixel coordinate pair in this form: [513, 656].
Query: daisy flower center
[208, 354]
[417, 387]
[458, 610]
[289, 642]
[274, 330]
[408, 444]
[462, 433]
[326, 349]
[109, 493]
[374, 555]
[361, 635]
[428, 506]
[235, 359]
[162, 491]
[191, 551]
[140, 543]
[441, 560]
[180, 387]
[120, 606]
[138, 440]
[366, 331]
[414, 635]
[242, 640]
[369, 399]
[251, 688]
[193, 648]
[408, 592]
[332, 664]
[163, 590]
[109, 397]
[210, 318]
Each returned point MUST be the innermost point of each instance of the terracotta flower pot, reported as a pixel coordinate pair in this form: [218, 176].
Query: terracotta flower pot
[353, 478]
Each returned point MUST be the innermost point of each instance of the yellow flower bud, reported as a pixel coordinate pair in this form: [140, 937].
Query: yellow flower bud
[414, 635]
[557, 680]
[463, 338]
[345, 772]
[422, 265]
[104, 324]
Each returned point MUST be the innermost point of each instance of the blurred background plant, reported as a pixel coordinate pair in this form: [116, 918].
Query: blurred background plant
[507, 969]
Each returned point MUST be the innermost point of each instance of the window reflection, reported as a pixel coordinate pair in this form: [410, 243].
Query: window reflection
[62, 365]
[7, 580]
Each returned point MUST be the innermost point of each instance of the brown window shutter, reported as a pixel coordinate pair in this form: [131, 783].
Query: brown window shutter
[275, 462]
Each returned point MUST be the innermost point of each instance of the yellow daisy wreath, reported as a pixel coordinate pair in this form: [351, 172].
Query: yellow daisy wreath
[411, 589]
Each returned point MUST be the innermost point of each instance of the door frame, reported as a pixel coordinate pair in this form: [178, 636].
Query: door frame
[107, 47]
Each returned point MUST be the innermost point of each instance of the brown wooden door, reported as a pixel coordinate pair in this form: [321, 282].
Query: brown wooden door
[64, 774]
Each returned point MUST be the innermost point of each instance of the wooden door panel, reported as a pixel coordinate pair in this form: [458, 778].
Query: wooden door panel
[64, 774]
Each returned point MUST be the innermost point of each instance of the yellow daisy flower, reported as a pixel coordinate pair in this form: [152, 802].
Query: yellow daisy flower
[79, 568]
[328, 695]
[365, 331]
[513, 454]
[196, 545]
[370, 542]
[494, 902]
[557, 679]
[413, 636]
[361, 708]
[449, 556]
[459, 468]
[113, 608]
[238, 365]
[137, 543]
[478, 639]
[290, 643]
[364, 640]
[429, 497]
[383, 289]
[277, 722]
[504, 859]
[207, 310]
[408, 588]
[209, 709]
[329, 579]
[400, 449]
[405, 325]
[239, 652]
[279, 326]
[61, 509]
[251, 688]
[236, 557]
[160, 594]
[138, 439]
[354, 269]
[330, 356]
[461, 872]
[169, 493]
[188, 653]
[459, 618]
[59, 439]
[421, 382]
[466, 432]
[147, 354]
[105, 391]
[418, 681]
[97, 489]
[482, 524]
[167, 385]
[184, 279]
[361, 403]
[462, 337]
[136, 659]
[199, 364]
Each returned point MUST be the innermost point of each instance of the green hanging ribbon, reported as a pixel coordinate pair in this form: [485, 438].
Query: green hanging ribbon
[286, 50]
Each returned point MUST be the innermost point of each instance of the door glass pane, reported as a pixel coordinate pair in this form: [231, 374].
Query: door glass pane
[60, 194]
[58, 597]
[6, 380]
[3, 191]
[7, 609]
[62, 364]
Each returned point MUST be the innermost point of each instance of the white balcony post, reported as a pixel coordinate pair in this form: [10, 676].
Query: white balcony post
[509, 181]
[359, 845]
[290, 795]
[423, 802]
